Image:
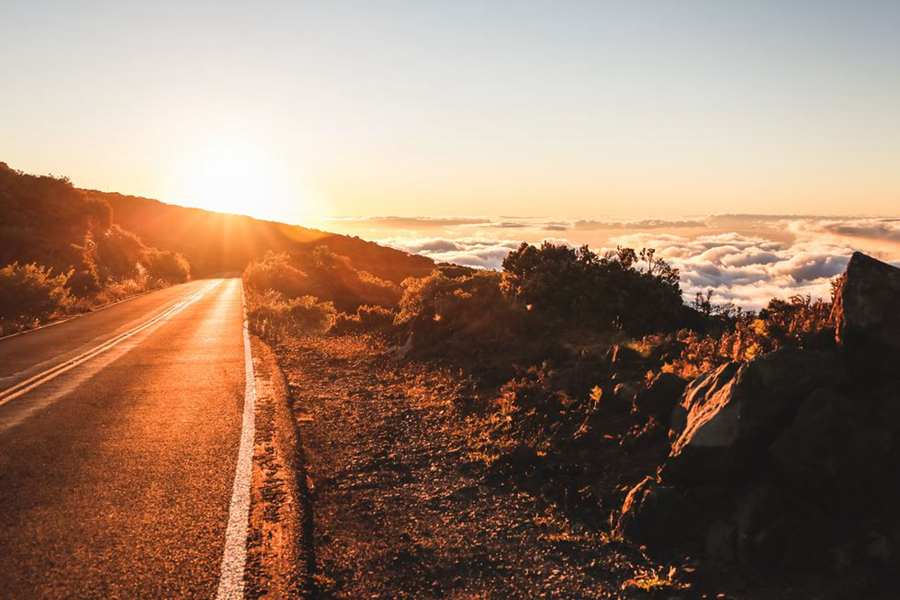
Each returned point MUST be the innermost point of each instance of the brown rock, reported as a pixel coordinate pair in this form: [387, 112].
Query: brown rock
[622, 358]
[726, 420]
[658, 515]
[867, 305]
[761, 531]
[721, 542]
[833, 454]
[625, 392]
[660, 396]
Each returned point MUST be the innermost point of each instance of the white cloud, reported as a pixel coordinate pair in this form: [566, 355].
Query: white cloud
[748, 259]
[588, 224]
[886, 229]
[749, 270]
[482, 253]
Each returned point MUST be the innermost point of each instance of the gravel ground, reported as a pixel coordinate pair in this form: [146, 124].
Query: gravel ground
[402, 509]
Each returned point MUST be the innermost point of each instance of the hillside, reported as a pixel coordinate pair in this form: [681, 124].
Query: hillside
[45, 219]
[215, 242]
[65, 250]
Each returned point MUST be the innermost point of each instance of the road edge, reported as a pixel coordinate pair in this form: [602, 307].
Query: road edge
[280, 558]
[233, 568]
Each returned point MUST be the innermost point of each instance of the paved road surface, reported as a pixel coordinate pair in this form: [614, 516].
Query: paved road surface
[116, 475]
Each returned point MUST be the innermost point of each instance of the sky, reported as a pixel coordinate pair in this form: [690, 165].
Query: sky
[566, 110]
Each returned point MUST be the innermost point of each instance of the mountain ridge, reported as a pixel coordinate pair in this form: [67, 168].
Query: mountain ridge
[214, 241]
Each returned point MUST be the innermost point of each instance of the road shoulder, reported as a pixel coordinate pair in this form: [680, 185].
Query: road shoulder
[279, 559]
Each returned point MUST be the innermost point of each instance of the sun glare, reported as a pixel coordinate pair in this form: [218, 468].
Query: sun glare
[228, 177]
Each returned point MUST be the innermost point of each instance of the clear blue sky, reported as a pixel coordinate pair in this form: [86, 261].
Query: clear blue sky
[529, 108]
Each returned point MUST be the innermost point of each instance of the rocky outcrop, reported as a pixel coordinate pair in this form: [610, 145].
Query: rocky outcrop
[834, 453]
[658, 515]
[791, 460]
[660, 397]
[726, 419]
[867, 310]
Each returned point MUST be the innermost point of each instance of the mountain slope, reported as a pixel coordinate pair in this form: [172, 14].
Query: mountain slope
[223, 242]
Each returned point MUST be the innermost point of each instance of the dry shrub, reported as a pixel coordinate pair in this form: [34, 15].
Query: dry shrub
[122, 289]
[30, 293]
[273, 317]
[463, 317]
[333, 277]
[322, 274]
[275, 272]
[169, 267]
[799, 322]
[119, 254]
[373, 320]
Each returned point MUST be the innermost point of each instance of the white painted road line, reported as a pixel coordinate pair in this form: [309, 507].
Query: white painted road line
[29, 384]
[231, 582]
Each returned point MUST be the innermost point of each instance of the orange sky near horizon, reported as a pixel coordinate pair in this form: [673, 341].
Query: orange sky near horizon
[586, 109]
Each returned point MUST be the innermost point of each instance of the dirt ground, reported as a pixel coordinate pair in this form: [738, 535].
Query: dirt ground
[402, 509]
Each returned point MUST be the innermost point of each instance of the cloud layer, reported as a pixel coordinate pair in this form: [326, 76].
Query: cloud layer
[747, 259]
[482, 253]
[748, 270]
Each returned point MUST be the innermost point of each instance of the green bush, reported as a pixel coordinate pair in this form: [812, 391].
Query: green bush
[30, 293]
[633, 291]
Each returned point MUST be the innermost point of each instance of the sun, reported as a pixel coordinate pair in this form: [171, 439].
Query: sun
[232, 175]
[228, 177]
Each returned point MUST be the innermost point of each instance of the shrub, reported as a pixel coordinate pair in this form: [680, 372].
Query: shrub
[453, 301]
[84, 282]
[368, 319]
[272, 317]
[332, 277]
[275, 272]
[170, 267]
[30, 293]
[466, 320]
[44, 219]
[799, 322]
[119, 254]
[634, 291]
[123, 288]
[322, 274]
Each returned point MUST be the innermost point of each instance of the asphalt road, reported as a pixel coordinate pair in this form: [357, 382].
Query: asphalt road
[116, 473]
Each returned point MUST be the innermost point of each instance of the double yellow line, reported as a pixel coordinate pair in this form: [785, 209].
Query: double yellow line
[43, 377]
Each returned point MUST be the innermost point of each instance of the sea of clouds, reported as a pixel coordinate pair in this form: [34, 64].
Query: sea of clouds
[747, 259]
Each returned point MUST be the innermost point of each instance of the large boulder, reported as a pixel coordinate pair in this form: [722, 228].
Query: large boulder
[761, 526]
[658, 515]
[834, 454]
[726, 419]
[660, 396]
[867, 309]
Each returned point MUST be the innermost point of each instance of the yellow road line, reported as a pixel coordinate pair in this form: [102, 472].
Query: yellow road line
[34, 381]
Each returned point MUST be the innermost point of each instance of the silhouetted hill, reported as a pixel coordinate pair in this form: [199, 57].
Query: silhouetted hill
[45, 219]
[222, 242]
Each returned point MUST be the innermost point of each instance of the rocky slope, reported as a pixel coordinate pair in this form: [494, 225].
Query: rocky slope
[790, 463]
